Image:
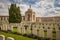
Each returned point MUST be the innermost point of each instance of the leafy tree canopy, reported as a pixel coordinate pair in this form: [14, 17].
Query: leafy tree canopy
[14, 14]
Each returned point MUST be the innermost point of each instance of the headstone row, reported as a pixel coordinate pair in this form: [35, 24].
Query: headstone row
[21, 29]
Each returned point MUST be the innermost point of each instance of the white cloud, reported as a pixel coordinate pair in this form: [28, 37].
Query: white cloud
[23, 8]
[3, 9]
[59, 3]
[42, 8]
[1, 6]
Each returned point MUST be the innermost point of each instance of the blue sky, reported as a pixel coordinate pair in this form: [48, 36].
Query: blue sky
[57, 3]
[43, 8]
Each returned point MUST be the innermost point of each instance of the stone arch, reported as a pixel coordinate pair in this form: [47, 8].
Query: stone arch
[28, 17]
[33, 17]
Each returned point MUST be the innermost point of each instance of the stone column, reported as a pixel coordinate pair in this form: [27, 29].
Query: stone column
[2, 37]
[3, 19]
[9, 38]
[6, 19]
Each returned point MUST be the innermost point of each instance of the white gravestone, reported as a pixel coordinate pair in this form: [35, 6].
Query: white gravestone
[23, 29]
[49, 33]
[41, 31]
[28, 29]
[57, 32]
[10, 27]
[2, 37]
[34, 30]
[5, 27]
[2, 27]
[58, 35]
[9, 38]
[19, 29]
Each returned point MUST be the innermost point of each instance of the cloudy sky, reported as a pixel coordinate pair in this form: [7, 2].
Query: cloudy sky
[43, 8]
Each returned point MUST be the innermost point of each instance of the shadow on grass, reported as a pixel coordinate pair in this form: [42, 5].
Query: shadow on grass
[27, 35]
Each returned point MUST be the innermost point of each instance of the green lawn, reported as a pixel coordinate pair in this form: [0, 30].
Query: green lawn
[45, 33]
[20, 37]
[15, 36]
[54, 35]
[14, 29]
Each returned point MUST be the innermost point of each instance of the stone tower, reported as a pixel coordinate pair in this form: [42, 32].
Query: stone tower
[30, 15]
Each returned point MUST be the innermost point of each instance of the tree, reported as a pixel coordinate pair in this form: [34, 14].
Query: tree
[14, 14]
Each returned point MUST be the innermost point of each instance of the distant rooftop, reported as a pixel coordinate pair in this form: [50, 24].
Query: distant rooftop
[4, 15]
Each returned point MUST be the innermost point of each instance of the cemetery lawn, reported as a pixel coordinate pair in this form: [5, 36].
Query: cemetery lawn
[20, 37]
[15, 36]
[45, 33]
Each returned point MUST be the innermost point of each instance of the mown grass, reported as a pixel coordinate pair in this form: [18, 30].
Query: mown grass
[45, 33]
[54, 34]
[20, 37]
[15, 36]
[15, 29]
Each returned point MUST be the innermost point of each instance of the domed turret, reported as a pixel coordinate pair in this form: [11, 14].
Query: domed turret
[29, 10]
[30, 15]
